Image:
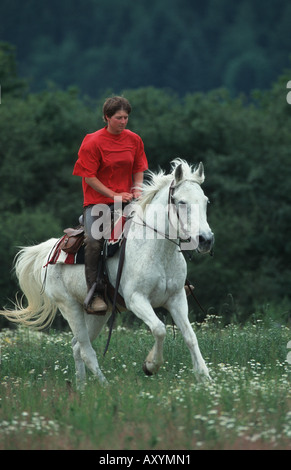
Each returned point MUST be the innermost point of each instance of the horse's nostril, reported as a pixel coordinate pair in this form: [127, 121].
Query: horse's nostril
[205, 241]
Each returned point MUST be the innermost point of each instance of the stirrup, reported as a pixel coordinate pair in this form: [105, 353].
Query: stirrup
[97, 306]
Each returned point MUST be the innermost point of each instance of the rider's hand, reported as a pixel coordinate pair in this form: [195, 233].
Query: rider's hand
[126, 197]
[136, 193]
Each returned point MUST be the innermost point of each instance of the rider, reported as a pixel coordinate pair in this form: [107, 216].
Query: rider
[111, 162]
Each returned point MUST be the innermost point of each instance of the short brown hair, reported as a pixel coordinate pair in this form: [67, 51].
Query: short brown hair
[114, 104]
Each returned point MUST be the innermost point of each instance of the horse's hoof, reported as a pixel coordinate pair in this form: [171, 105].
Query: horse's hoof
[145, 369]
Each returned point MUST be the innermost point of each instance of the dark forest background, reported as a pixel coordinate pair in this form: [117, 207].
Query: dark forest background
[207, 81]
[185, 45]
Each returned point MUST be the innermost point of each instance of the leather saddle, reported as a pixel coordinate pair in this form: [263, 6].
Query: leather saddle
[73, 242]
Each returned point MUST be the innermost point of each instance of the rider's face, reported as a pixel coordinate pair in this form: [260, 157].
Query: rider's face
[118, 122]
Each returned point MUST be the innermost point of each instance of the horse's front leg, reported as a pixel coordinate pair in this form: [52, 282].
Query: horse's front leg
[141, 307]
[178, 308]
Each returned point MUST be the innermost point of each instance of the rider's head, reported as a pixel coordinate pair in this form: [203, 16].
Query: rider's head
[114, 104]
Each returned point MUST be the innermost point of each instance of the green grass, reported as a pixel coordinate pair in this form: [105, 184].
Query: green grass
[247, 406]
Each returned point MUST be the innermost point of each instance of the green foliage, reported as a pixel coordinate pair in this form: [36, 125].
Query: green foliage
[243, 142]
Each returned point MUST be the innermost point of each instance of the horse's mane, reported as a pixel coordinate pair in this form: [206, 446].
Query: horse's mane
[158, 181]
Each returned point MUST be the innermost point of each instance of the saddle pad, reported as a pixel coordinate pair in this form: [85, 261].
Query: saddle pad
[59, 256]
[116, 238]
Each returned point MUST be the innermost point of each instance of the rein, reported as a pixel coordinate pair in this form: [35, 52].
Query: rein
[187, 282]
[144, 224]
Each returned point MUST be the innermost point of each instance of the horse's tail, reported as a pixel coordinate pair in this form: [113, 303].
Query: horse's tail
[38, 311]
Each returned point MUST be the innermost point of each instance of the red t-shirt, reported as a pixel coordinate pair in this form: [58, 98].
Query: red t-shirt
[113, 159]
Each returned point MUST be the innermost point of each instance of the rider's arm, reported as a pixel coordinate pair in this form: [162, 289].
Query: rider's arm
[137, 179]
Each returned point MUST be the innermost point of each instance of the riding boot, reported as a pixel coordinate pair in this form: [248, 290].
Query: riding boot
[94, 302]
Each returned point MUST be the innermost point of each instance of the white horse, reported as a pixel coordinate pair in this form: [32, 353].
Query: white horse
[154, 273]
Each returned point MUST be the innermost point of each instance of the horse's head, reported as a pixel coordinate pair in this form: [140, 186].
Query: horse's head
[190, 204]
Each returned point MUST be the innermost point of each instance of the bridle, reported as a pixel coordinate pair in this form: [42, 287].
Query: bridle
[171, 204]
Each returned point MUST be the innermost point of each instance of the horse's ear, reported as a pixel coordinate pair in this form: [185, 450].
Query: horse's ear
[178, 173]
[200, 172]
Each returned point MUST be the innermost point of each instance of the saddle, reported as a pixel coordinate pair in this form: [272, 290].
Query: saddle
[72, 243]
[73, 239]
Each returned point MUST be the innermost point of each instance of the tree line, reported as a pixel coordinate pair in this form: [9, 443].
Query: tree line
[184, 45]
[244, 144]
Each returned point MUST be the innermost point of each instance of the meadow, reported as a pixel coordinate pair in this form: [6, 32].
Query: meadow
[247, 405]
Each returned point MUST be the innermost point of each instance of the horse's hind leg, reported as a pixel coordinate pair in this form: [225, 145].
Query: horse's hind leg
[82, 347]
[143, 310]
[79, 364]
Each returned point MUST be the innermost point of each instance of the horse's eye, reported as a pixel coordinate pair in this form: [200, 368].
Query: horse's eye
[182, 202]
